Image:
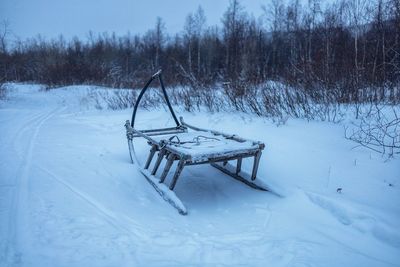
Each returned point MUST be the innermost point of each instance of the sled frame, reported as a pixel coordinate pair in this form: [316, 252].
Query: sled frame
[161, 151]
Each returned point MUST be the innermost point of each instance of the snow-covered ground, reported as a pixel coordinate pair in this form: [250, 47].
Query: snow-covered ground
[69, 195]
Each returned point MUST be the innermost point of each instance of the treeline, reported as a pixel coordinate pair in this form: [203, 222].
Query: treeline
[349, 47]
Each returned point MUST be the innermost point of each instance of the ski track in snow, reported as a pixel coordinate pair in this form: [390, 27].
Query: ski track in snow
[107, 214]
[20, 201]
[71, 197]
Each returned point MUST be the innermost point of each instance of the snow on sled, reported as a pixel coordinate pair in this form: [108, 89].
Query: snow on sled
[190, 145]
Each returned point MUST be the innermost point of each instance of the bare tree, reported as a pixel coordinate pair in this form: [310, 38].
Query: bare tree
[189, 35]
[358, 17]
[234, 21]
[275, 18]
[4, 33]
[200, 21]
[159, 39]
[378, 130]
[331, 54]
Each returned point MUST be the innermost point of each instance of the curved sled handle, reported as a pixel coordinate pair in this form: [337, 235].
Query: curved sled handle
[155, 75]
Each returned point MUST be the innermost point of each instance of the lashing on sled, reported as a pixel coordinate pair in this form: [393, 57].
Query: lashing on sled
[190, 145]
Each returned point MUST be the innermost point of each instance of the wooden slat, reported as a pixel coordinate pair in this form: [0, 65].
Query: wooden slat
[219, 158]
[255, 165]
[159, 159]
[171, 158]
[178, 171]
[159, 130]
[150, 157]
[238, 165]
[227, 136]
[158, 133]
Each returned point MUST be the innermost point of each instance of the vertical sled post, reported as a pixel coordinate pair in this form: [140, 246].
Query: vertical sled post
[171, 158]
[151, 155]
[157, 164]
[238, 165]
[178, 171]
[255, 165]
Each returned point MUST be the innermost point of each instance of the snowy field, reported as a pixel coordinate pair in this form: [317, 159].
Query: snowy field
[69, 195]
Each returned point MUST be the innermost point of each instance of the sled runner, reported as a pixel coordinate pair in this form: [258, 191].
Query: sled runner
[190, 145]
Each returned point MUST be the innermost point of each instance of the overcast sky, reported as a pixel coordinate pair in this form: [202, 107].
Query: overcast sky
[51, 18]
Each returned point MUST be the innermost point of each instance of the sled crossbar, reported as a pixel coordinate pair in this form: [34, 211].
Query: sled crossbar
[153, 132]
[190, 145]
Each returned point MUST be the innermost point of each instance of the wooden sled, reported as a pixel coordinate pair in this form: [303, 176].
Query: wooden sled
[190, 145]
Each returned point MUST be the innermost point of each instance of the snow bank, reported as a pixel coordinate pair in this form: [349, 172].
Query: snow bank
[69, 195]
